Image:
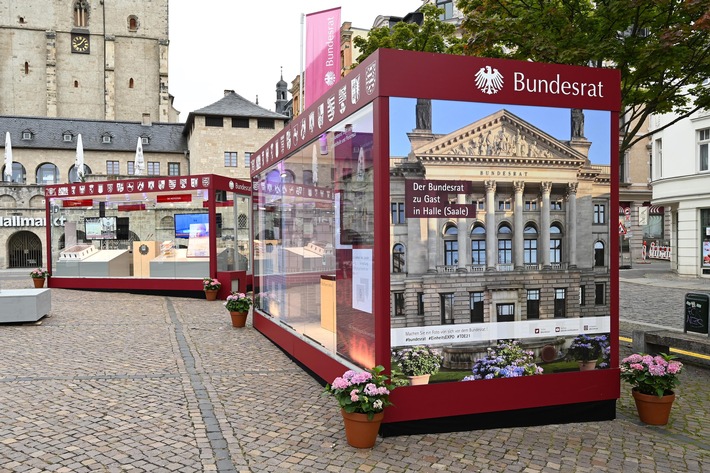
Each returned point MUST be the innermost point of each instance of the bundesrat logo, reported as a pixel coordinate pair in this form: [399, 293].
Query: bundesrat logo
[488, 80]
[329, 78]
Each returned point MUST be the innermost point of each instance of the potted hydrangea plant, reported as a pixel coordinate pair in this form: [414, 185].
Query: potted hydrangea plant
[506, 360]
[38, 276]
[238, 304]
[362, 397]
[417, 363]
[653, 379]
[211, 287]
[586, 350]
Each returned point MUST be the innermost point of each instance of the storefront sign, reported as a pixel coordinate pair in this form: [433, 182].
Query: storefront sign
[78, 203]
[17, 221]
[174, 198]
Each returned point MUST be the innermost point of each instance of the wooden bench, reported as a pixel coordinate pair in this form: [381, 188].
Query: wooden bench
[661, 341]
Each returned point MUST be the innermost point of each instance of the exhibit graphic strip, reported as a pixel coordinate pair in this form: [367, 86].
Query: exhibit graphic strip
[466, 333]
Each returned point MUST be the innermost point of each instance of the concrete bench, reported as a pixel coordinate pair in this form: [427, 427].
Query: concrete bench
[661, 341]
[24, 305]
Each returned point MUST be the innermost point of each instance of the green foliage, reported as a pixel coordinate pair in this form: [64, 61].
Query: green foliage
[662, 47]
[434, 35]
[417, 360]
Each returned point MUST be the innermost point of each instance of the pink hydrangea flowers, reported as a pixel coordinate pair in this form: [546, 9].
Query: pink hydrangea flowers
[363, 392]
[654, 375]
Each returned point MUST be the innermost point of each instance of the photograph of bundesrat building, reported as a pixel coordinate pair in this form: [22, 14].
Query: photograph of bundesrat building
[526, 239]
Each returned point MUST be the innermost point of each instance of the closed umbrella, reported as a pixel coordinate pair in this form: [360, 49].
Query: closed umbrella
[79, 162]
[8, 158]
[139, 162]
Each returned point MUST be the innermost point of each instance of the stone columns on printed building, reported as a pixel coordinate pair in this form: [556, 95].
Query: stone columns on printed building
[572, 223]
[518, 258]
[491, 230]
[545, 224]
[432, 238]
[464, 238]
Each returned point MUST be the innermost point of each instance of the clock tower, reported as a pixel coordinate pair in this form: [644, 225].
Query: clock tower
[87, 59]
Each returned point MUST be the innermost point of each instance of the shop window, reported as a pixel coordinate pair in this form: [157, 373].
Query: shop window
[599, 214]
[599, 293]
[398, 258]
[451, 245]
[530, 245]
[505, 312]
[399, 304]
[173, 169]
[560, 302]
[397, 213]
[476, 306]
[478, 245]
[533, 303]
[47, 173]
[599, 254]
[703, 144]
[230, 159]
[447, 308]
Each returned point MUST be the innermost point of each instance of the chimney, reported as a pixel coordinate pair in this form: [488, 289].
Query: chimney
[146, 120]
[227, 92]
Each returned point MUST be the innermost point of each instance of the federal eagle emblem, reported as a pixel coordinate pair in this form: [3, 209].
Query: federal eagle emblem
[489, 81]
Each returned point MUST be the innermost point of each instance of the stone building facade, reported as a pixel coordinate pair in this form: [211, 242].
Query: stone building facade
[537, 246]
[85, 59]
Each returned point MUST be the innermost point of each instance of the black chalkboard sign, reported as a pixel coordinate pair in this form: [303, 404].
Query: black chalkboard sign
[696, 312]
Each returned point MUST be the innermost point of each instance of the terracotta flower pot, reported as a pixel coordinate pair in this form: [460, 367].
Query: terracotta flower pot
[653, 410]
[39, 282]
[239, 319]
[211, 294]
[587, 365]
[361, 432]
[418, 380]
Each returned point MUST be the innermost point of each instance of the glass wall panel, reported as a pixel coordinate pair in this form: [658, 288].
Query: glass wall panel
[313, 226]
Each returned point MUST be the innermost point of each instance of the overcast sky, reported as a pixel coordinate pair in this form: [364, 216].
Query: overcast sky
[241, 46]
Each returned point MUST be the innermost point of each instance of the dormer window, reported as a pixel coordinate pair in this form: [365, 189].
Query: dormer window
[26, 135]
[67, 137]
[106, 139]
[145, 140]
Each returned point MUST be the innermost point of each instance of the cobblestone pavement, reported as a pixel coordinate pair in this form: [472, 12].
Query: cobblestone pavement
[115, 382]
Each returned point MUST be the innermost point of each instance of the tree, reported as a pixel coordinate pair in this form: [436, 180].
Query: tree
[662, 47]
[433, 35]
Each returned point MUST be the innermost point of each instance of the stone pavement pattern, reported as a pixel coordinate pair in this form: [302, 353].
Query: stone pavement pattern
[116, 382]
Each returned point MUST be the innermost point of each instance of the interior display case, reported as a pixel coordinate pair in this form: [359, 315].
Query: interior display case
[450, 202]
[154, 233]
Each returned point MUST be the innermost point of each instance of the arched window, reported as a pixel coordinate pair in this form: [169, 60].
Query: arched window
[81, 13]
[131, 83]
[47, 173]
[132, 23]
[288, 176]
[18, 173]
[76, 84]
[530, 244]
[27, 67]
[73, 177]
[505, 244]
[555, 244]
[599, 254]
[398, 258]
[451, 244]
[478, 245]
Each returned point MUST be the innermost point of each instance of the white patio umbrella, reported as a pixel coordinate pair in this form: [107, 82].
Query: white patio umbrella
[8, 158]
[79, 162]
[139, 167]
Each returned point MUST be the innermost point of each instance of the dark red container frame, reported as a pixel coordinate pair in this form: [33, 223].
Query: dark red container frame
[159, 285]
[445, 77]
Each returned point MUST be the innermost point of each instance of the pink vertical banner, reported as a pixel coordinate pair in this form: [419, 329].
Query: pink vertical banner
[322, 53]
